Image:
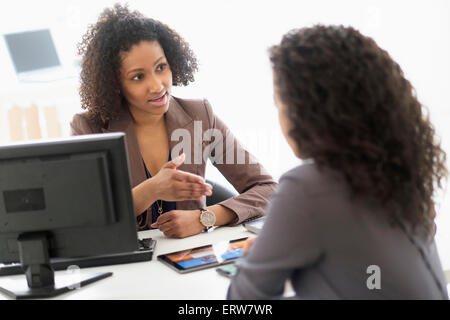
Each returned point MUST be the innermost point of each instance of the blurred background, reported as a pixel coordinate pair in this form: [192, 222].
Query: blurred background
[230, 39]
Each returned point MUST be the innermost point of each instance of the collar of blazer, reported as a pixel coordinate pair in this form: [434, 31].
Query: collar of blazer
[176, 117]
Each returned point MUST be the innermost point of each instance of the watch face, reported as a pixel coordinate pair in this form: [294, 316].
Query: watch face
[208, 218]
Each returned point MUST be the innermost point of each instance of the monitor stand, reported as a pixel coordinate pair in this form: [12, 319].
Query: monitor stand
[40, 277]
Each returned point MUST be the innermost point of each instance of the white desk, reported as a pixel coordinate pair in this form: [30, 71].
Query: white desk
[154, 280]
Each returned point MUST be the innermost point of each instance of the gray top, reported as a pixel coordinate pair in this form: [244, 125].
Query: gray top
[333, 247]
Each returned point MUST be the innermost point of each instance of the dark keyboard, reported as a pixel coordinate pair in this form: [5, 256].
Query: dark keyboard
[144, 253]
[146, 244]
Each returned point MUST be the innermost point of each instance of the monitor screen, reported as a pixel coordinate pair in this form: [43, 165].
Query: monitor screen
[32, 50]
[75, 192]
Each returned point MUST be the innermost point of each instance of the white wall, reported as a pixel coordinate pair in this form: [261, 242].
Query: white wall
[231, 39]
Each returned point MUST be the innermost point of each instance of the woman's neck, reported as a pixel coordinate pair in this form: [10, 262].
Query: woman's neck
[145, 120]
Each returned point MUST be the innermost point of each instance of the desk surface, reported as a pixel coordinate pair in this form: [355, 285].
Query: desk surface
[154, 280]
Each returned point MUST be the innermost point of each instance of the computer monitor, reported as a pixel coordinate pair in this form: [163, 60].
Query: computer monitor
[64, 198]
[32, 50]
[35, 57]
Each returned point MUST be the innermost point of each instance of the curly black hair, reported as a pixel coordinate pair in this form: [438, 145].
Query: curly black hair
[352, 110]
[116, 31]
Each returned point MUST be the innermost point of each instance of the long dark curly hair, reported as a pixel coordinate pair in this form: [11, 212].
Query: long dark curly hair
[352, 110]
[116, 31]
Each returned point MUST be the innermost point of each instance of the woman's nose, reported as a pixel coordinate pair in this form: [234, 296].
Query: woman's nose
[155, 84]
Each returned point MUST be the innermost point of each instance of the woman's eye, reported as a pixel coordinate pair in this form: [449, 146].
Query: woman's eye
[162, 66]
[138, 77]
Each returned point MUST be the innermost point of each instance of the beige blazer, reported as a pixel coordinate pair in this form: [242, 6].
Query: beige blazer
[250, 179]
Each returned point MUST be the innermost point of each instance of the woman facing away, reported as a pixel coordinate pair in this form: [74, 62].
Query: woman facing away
[129, 64]
[356, 219]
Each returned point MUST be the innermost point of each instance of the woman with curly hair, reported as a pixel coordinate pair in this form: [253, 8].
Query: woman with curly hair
[129, 64]
[356, 219]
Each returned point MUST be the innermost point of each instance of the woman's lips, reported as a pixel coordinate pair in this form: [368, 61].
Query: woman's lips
[159, 101]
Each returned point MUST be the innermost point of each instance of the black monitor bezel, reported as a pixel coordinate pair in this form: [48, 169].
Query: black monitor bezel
[117, 237]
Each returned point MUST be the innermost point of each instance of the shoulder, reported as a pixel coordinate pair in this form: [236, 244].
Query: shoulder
[309, 180]
[81, 124]
[197, 109]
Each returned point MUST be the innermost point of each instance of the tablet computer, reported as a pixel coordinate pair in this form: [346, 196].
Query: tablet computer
[204, 257]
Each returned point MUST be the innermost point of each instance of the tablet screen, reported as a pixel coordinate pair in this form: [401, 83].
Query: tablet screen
[205, 256]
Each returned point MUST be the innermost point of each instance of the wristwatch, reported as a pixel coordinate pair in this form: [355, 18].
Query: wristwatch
[207, 219]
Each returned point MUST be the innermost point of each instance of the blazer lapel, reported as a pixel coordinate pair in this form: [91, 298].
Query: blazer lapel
[177, 118]
[124, 123]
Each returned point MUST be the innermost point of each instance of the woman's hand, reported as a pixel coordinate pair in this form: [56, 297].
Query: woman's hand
[170, 184]
[179, 223]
